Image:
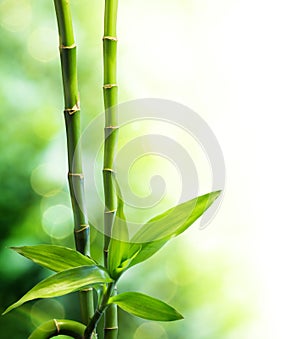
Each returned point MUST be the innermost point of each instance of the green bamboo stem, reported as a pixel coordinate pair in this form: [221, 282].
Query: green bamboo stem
[110, 89]
[111, 320]
[99, 312]
[67, 49]
[53, 328]
[110, 93]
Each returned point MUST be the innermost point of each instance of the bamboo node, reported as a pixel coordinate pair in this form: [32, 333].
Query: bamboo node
[108, 37]
[87, 289]
[106, 250]
[105, 169]
[109, 86]
[112, 127]
[80, 175]
[110, 211]
[74, 109]
[82, 228]
[67, 47]
[111, 328]
[56, 325]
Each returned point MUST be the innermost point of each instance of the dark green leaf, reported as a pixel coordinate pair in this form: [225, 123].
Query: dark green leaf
[160, 229]
[56, 258]
[146, 307]
[65, 282]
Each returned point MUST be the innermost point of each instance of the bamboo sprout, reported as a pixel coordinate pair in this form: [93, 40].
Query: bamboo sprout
[67, 48]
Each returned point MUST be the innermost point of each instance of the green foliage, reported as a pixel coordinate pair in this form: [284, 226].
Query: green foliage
[160, 229]
[119, 243]
[146, 307]
[56, 258]
[65, 282]
[76, 271]
[155, 233]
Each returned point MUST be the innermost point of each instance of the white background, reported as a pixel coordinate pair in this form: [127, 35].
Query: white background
[237, 64]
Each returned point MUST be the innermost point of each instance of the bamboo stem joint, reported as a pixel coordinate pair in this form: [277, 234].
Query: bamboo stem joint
[56, 325]
[108, 37]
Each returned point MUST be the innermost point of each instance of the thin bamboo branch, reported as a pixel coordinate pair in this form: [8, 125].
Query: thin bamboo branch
[110, 92]
[67, 48]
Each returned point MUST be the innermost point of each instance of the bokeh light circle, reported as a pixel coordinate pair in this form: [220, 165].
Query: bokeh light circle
[15, 15]
[149, 331]
[43, 180]
[41, 44]
[57, 221]
[46, 309]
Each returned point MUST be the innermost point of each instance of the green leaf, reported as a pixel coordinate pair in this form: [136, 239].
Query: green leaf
[117, 272]
[146, 250]
[65, 282]
[160, 229]
[119, 243]
[175, 220]
[146, 307]
[56, 258]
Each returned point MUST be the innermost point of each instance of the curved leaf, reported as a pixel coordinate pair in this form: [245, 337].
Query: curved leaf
[146, 250]
[143, 306]
[64, 282]
[175, 220]
[160, 229]
[119, 242]
[56, 258]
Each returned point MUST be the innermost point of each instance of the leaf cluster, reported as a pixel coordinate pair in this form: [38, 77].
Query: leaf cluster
[74, 271]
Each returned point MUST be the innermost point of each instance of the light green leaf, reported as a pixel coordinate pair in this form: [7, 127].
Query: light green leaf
[65, 282]
[175, 220]
[56, 258]
[160, 229]
[116, 273]
[119, 245]
[146, 250]
[146, 307]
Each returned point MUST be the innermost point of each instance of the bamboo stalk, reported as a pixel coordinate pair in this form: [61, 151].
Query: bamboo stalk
[99, 312]
[53, 328]
[110, 93]
[67, 49]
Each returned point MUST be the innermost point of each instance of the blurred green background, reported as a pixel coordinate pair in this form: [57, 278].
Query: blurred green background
[201, 53]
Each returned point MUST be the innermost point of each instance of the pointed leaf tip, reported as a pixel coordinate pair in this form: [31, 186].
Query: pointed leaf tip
[144, 306]
[53, 257]
[159, 230]
[63, 283]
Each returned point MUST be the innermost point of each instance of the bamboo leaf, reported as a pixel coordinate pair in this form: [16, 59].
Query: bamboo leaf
[146, 250]
[160, 229]
[56, 258]
[65, 282]
[175, 220]
[119, 243]
[146, 307]
[117, 272]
